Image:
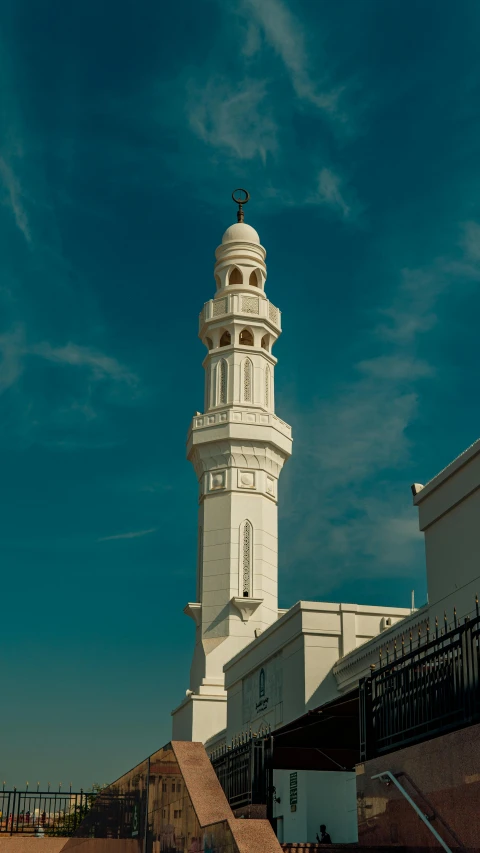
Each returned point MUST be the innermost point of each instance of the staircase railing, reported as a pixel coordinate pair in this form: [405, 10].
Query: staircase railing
[389, 778]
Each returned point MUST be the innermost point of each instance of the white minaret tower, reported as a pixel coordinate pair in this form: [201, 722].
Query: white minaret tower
[238, 448]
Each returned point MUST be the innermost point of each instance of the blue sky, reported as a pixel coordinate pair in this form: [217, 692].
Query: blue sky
[125, 126]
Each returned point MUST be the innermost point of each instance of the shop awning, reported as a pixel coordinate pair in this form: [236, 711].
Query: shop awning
[326, 738]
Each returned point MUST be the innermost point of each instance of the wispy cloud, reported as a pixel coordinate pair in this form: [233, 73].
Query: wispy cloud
[13, 198]
[395, 368]
[14, 350]
[135, 534]
[331, 193]
[286, 36]
[471, 241]
[234, 116]
[66, 415]
[346, 511]
[12, 193]
[252, 113]
[101, 365]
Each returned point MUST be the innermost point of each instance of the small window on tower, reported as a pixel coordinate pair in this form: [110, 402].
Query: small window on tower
[246, 558]
[266, 342]
[247, 381]
[222, 381]
[253, 280]
[235, 277]
[226, 339]
[246, 338]
[209, 343]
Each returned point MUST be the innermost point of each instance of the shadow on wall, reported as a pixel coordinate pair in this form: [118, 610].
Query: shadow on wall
[446, 770]
[325, 692]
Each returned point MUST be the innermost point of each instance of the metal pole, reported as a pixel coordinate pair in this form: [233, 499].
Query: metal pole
[145, 831]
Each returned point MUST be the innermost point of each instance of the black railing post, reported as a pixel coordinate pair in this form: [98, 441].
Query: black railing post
[253, 770]
[366, 718]
[268, 771]
[470, 671]
[13, 811]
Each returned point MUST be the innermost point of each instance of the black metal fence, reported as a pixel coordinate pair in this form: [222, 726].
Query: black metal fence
[43, 813]
[243, 770]
[422, 688]
[113, 814]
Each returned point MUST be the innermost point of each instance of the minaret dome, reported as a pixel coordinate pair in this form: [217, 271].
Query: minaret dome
[240, 232]
[240, 257]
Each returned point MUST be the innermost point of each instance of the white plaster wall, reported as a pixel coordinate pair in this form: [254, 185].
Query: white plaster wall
[310, 638]
[322, 797]
[356, 664]
[182, 722]
[449, 513]
[293, 680]
[294, 823]
[199, 718]
[235, 723]
[222, 516]
[235, 361]
[321, 653]
[452, 546]
[283, 700]
[332, 800]
[285, 705]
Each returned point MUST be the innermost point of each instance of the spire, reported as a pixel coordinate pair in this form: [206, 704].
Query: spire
[240, 202]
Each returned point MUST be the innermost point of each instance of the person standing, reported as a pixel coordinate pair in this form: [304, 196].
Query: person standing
[324, 836]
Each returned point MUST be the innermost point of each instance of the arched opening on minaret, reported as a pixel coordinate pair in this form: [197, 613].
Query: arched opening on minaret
[246, 338]
[226, 339]
[235, 276]
[209, 343]
[246, 546]
[219, 283]
[267, 386]
[222, 381]
[247, 381]
[266, 342]
[253, 280]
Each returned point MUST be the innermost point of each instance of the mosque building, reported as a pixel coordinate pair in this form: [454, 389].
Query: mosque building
[374, 747]
[256, 667]
[238, 448]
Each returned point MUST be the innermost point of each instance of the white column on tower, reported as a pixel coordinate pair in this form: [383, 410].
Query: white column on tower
[238, 447]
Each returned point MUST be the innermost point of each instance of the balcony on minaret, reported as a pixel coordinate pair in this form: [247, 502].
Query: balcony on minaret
[241, 305]
[233, 415]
